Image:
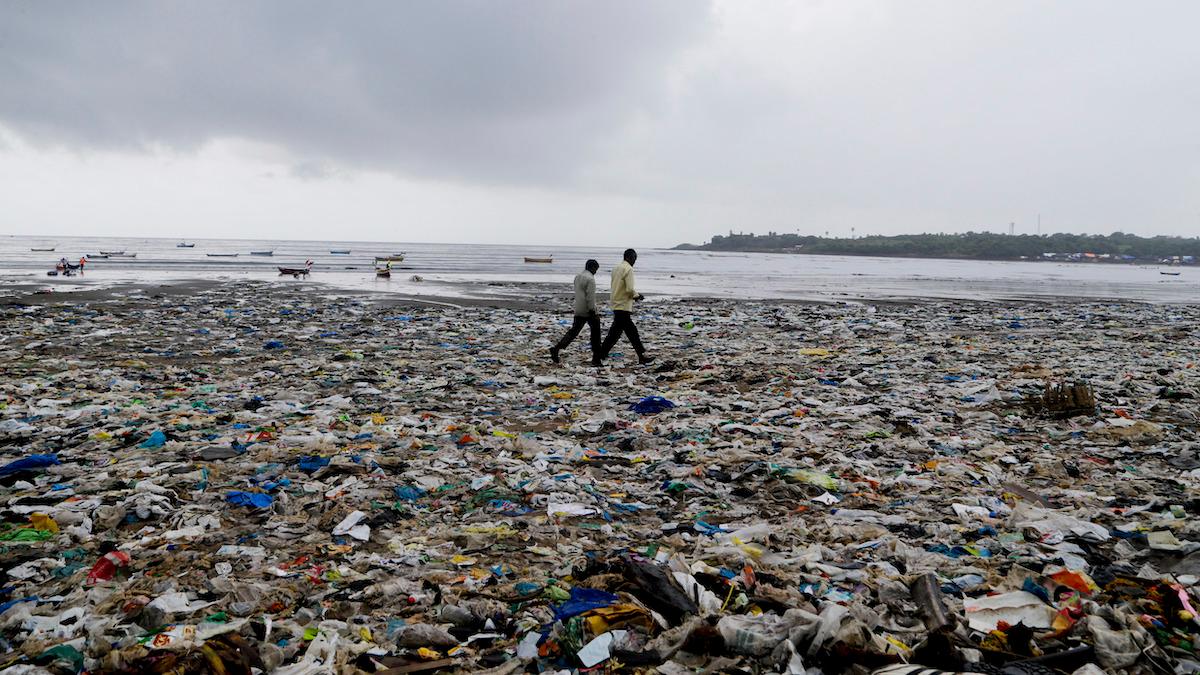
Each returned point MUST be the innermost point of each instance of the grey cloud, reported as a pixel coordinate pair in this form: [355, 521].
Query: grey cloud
[482, 91]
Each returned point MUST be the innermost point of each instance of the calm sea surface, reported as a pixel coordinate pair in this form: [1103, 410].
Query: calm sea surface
[458, 270]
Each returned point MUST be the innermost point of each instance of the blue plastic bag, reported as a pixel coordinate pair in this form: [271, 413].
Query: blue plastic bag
[156, 440]
[583, 600]
[651, 405]
[409, 493]
[27, 463]
[312, 463]
[273, 344]
[257, 500]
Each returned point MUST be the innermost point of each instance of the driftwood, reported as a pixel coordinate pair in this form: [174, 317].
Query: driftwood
[1062, 399]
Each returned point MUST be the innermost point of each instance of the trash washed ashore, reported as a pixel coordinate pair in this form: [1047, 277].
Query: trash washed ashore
[249, 479]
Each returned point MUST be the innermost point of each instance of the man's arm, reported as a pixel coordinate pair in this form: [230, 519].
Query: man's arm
[633, 294]
[590, 294]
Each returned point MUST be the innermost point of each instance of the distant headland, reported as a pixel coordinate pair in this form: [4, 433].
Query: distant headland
[1116, 247]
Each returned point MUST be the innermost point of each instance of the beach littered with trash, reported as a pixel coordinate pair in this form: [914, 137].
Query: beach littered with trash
[242, 478]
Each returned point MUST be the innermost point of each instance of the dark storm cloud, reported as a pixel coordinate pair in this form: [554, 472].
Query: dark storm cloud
[485, 91]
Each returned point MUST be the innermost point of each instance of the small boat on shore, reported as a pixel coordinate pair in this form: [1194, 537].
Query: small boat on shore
[297, 271]
[44, 250]
[221, 255]
[383, 273]
[539, 260]
[112, 252]
[395, 257]
[262, 252]
[345, 252]
[184, 245]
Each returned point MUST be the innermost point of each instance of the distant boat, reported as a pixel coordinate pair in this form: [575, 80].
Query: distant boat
[96, 255]
[112, 252]
[395, 257]
[118, 254]
[262, 252]
[539, 260]
[221, 255]
[297, 271]
[184, 245]
[42, 249]
[345, 252]
[1170, 274]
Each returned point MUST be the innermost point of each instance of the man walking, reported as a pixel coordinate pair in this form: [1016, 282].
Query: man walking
[623, 294]
[585, 311]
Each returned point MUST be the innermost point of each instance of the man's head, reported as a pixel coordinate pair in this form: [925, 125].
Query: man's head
[591, 266]
[630, 256]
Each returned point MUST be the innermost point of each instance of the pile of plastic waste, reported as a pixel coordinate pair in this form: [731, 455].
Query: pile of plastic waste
[237, 481]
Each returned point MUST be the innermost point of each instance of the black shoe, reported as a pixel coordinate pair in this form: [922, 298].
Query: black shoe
[554, 354]
[643, 360]
[597, 363]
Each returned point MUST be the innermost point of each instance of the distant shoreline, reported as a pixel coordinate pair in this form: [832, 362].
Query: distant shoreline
[1117, 247]
[917, 256]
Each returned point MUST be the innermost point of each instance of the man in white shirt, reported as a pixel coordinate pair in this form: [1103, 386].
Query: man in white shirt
[585, 311]
[622, 296]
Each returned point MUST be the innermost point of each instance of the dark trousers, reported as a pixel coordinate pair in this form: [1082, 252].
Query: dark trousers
[622, 323]
[591, 321]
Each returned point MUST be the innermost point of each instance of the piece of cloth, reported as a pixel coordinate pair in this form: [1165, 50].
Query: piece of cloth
[621, 289]
[622, 324]
[585, 294]
[592, 322]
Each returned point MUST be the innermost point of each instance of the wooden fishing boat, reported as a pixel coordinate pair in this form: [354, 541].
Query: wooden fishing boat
[1170, 274]
[43, 249]
[297, 271]
[96, 256]
[184, 245]
[342, 252]
[383, 273]
[221, 255]
[539, 260]
[262, 252]
[112, 252]
[395, 257]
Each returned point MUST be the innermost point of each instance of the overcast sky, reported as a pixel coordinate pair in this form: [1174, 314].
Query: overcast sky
[602, 123]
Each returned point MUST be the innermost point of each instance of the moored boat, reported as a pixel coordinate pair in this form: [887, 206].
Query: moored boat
[383, 273]
[1170, 274]
[221, 255]
[184, 245]
[340, 252]
[112, 252]
[44, 250]
[395, 257]
[262, 252]
[529, 259]
[297, 271]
